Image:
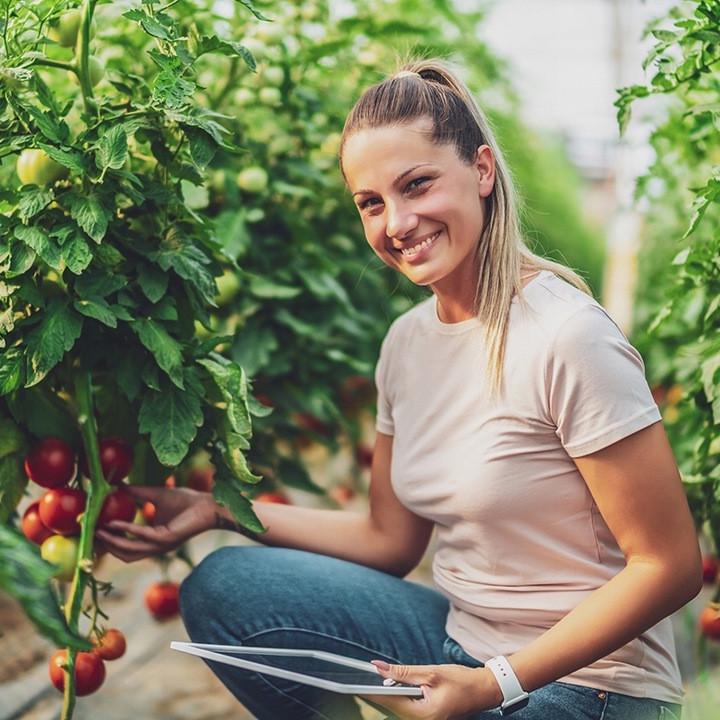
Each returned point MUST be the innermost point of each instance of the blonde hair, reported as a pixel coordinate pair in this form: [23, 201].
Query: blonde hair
[430, 88]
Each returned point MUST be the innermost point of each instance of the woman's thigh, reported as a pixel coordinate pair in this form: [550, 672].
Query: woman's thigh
[280, 597]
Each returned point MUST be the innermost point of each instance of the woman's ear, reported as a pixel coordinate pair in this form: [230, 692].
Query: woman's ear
[485, 167]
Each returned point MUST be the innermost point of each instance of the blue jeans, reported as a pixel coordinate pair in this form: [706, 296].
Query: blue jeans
[271, 596]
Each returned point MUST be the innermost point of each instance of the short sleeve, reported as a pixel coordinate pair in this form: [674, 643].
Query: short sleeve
[596, 385]
[384, 422]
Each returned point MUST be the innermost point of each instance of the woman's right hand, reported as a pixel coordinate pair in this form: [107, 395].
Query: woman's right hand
[180, 513]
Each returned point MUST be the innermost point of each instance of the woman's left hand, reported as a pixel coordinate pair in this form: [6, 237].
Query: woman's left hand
[450, 692]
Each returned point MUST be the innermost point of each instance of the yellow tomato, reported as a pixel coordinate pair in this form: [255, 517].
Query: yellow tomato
[253, 179]
[62, 552]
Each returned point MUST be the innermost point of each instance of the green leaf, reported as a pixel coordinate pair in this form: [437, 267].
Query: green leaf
[32, 201]
[38, 240]
[213, 44]
[153, 282]
[13, 482]
[11, 370]
[227, 491]
[76, 254]
[172, 417]
[72, 160]
[56, 133]
[230, 380]
[112, 149]
[253, 9]
[189, 263]
[165, 349]
[21, 260]
[98, 309]
[264, 288]
[202, 146]
[50, 340]
[43, 413]
[232, 447]
[25, 576]
[90, 214]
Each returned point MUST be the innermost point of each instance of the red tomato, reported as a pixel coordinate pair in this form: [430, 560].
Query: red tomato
[264, 399]
[201, 478]
[32, 525]
[148, 512]
[709, 621]
[711, 567]
[118, 505]
[51, 463]
[273, 497]
[59, 510]
[162, 600]
[111, 645]
[170, 481]
[342, 494]
[116, 459]
[89, 671]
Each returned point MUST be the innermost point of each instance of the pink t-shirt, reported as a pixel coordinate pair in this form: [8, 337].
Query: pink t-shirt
[520, 541]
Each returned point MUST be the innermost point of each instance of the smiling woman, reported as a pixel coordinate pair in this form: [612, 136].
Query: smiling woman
[514, 420]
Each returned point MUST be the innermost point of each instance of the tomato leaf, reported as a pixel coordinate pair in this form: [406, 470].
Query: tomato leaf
[227, 490]
[112, 149]
[12, 439]
[172, 417]
[38, 240]
[26, 576]
[90, 214]
[230, 380]
[48, 342]
[32, 201]
[165, 349]
[98, 309]
[152, 282]
[76, 254]
[11, 370]
[13, 482]
[71, 160]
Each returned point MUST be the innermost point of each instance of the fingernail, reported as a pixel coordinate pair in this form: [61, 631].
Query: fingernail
[380, 665]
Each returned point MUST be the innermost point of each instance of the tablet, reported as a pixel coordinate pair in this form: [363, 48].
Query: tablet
[311, 667]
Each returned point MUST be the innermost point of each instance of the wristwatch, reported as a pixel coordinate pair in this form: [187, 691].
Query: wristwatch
[514, 697]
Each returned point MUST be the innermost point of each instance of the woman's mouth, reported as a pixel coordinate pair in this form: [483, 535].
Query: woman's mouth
[418, 252]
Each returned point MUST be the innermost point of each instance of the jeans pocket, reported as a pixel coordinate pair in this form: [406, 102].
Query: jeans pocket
[667, 713]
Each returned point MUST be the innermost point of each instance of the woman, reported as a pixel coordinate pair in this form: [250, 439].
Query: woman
[515, 419]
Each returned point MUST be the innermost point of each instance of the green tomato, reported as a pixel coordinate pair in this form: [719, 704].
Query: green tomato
[97, 71]
[36, 167]
[270, 96]
[65, 31]
[62, 552]
[244, 96]
[253, 179]
[228, 286]
[273, 75]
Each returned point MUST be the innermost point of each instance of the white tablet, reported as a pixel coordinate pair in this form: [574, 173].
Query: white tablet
[311, 667]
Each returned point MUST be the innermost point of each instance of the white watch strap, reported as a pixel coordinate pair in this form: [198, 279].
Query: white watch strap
[507, 680]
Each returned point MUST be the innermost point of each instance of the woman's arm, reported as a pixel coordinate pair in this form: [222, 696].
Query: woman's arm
[637, 488]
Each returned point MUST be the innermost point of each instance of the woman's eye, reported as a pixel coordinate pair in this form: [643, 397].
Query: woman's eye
[412, 185]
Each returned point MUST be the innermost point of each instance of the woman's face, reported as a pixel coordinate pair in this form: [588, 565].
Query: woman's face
[408, 190]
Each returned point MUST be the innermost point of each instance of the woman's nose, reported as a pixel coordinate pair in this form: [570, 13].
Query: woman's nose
[400, 221]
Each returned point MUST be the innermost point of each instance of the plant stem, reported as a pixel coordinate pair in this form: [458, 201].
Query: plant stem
[82, 55]
[98, 489]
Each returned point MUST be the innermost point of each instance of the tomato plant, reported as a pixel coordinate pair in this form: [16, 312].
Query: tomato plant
[89, 671]
[709, 621]
[162, 599]
[50, 463]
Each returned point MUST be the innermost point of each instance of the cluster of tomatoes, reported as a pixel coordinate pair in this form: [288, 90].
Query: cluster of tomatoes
[89, 666]
[52, 522]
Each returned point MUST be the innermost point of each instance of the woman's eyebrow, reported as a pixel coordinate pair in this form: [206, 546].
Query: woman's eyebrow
[395, 181]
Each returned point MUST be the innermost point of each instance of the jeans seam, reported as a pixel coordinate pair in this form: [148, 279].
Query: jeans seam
[393, 658]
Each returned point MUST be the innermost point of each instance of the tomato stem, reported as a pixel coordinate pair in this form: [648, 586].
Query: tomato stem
[97, 491]
[82, 55]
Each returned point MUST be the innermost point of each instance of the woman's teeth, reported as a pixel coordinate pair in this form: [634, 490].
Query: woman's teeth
[420, 246]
